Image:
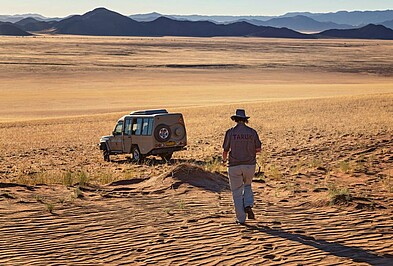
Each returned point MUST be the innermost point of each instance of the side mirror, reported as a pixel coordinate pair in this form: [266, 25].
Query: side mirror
[114, 133]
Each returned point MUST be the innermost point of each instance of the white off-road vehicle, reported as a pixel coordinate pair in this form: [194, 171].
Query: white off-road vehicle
[144, 133]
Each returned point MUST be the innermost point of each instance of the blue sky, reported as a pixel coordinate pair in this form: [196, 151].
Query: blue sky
[61, 8]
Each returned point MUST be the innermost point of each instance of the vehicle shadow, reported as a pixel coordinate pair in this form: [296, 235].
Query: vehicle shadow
[355, 253]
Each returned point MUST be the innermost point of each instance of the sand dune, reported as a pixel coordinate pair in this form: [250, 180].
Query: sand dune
[120, 224]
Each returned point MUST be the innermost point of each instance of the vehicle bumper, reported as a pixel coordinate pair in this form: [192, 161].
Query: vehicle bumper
[102, 146]
[167, 150]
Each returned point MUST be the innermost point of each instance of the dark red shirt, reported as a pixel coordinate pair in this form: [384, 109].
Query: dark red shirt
[241, 141]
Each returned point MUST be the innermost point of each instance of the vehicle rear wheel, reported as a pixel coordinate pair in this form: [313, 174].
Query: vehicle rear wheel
[166, 156]
[137, 157]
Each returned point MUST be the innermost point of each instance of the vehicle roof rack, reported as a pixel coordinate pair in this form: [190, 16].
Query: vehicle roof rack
[150, 112]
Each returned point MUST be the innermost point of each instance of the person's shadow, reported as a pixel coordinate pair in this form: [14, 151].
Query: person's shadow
[336, 249]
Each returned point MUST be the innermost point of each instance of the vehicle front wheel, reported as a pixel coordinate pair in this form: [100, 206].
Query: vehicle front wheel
[106, 156]
[166, 157]
[137, 157]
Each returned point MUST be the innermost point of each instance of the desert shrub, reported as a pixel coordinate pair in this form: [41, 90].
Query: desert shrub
[68, 179]
[129, 173]
[315, 163]
[181, 204]
[104, 177]
[273, 172]
[213, 165]
[82, 178]
[388, 182]
[50, 207]
[78, 193]
[346, 167]
[339, 195]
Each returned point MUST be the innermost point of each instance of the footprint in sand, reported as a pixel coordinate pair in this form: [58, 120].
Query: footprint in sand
[269, 256]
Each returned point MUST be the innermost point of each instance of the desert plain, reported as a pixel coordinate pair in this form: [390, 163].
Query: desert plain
[323, 110]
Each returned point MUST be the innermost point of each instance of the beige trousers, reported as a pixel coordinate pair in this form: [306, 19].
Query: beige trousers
[240, 179]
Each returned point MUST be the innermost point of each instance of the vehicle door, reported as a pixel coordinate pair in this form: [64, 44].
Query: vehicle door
[116, 143]
[136, 131]
[127, 138]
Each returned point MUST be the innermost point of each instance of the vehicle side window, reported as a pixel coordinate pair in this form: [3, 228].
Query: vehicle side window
[150, 130]
[118, 128]
[137, 126]
[145, 128]
[127, 127]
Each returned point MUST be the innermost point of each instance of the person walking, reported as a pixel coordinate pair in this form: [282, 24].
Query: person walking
[242, 144]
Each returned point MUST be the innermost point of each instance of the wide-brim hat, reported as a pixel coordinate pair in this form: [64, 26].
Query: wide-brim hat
[240, 113]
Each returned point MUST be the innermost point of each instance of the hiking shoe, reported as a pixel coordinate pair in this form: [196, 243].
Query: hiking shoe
[250, 213]
[237, 222]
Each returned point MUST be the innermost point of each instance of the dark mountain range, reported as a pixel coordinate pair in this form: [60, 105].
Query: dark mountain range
[7, 28]
[300, 23]
[103, 22]
[355, 18]
[32, 24]
[170, 27]
[296, 21]
[370, 31]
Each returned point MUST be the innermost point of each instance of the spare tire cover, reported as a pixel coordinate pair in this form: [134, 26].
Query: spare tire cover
[178, 131]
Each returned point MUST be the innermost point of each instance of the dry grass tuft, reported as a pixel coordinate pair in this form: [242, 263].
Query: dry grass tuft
[388, 181]
[339, 195]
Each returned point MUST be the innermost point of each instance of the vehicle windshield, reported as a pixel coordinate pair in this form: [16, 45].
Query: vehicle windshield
[118, 128]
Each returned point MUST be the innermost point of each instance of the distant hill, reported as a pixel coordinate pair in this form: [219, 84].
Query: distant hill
[271, 32]
[351, 18]
[300, 23]
[7, 28]
[100, 22]
[16, 18]
[370, 31]
[103, 22]
[32, 24]
[168, 27]
[146, 17]
[217, 19]
[388, 24]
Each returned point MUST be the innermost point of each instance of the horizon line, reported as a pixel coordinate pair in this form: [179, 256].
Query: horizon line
[207, 15]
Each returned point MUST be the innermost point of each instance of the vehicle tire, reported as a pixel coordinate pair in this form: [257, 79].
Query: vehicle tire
[106, 156]
[166, 157]
[137, 157]
[162, 133]
[105, 152]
